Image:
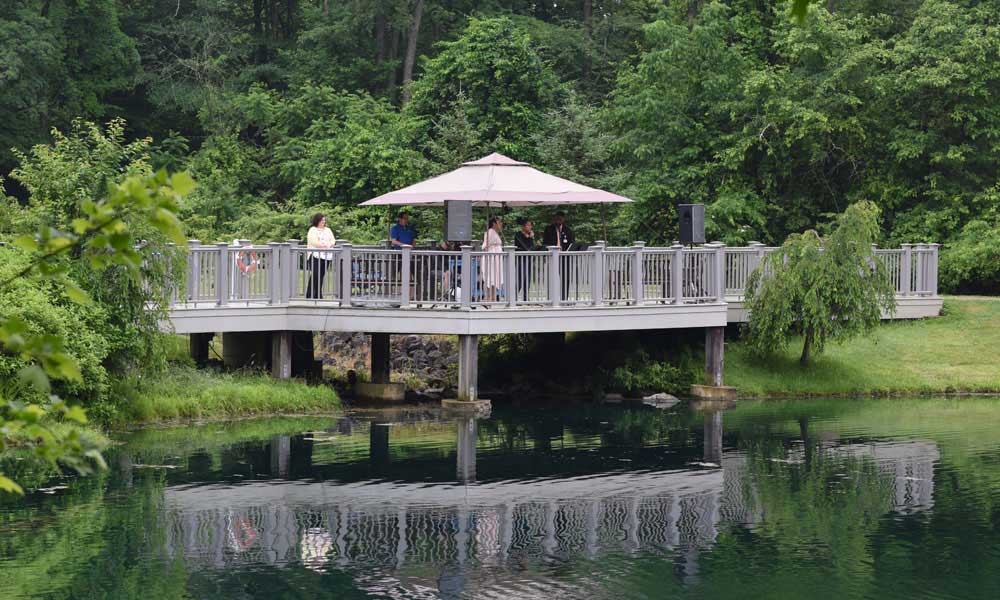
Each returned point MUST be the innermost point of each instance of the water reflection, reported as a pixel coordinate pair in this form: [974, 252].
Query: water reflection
[536, 503]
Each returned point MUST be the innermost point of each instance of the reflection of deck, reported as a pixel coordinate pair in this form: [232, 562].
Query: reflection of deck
[388, 525]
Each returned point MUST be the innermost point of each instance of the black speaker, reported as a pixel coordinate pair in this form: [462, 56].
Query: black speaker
[692, 221]
[457, 221]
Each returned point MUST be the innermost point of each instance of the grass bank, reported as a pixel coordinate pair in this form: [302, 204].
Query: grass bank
[956, 352]
[183, 392]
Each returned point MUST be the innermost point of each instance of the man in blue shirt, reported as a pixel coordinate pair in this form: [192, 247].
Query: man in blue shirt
[401, 233]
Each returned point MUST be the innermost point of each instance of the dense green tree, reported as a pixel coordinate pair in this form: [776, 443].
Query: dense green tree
[494, 74]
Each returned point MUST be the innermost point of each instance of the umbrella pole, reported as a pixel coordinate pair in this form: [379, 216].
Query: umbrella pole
[604, 223]
[388, 231]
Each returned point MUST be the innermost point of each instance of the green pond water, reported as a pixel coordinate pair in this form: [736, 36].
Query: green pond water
[800, 499]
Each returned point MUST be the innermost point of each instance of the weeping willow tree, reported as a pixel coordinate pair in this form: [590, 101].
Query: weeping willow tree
[823, 289]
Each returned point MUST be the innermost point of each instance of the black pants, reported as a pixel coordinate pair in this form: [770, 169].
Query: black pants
[317, 271]
[523, 282]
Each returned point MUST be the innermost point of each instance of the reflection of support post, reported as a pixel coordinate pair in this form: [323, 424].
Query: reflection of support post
[714, 349]
[468, 368]
[380, 358]
[378, 444]
[281, 354]
[712, 451]
[466, 456]
[281, 455]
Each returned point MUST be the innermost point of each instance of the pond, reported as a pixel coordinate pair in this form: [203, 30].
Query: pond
[874, 498]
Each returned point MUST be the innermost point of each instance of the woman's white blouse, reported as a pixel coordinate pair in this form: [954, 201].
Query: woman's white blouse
[321, 238]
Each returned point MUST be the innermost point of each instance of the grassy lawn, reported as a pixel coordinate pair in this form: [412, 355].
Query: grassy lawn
[959, 351]
[184, 392]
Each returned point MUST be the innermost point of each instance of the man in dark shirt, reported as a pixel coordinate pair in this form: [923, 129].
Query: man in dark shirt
[558, 233]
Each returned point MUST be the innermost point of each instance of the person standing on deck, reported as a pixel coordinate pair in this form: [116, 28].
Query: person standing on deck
[491, 266]
[320, 236]
[524, 241]
[558, 233]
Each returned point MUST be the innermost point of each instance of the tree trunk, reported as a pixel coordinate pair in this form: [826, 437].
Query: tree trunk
[806, 346]
[379, 38]
[411, 50]
[326, 8]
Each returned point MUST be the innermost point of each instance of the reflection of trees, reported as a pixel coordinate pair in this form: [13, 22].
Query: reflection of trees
[820, 506]
[85, 544]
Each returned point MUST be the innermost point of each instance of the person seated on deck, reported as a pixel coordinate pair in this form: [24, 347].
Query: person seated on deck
[402, 234]
[558, 233]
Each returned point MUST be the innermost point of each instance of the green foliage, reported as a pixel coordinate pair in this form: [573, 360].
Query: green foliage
[496, 77]
[641, 375]
[827, 289]
[971, 263]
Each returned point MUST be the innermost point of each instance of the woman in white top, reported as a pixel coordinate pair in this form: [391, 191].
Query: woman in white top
[318, 262]
[491, 267]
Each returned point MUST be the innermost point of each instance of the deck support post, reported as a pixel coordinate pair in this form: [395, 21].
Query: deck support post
[468, 368]
[932, 269]
[194, 271]
[199, 345]
[404, 288]
[468, 277]
[295, 274]
[281, 354]
[714, 348]
[346, 270]
[274, 272]
[380, 357]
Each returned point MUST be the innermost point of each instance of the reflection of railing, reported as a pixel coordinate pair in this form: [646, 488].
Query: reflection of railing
[278, 273]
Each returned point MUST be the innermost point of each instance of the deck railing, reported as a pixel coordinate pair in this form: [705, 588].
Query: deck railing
[347, 275]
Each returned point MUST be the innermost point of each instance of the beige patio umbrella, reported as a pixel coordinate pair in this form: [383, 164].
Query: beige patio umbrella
[496, 181]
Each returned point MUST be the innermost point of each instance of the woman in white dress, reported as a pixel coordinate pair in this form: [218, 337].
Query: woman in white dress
[320, 236]
[491, 266]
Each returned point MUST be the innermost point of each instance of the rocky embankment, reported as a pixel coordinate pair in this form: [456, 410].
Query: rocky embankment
[428, 364]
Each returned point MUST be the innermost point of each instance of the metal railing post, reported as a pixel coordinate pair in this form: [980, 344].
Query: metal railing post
[555, 287]
[597, 275]
[905, 275]
[404, 288]
[720, 271]
[677, 274]
[510, 285]
[222, 273]
[467, 276]
[293, 268]
[345, 275]
[274, 272]
[193, 271]
[933, 269]
[921, 269]
[638, 275]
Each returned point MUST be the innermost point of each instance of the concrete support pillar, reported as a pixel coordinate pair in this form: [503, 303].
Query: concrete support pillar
[468, 368]
[714, 348]
[712, 450]
[199, 345]
[380, 358]
[281, 354]
[466, 455]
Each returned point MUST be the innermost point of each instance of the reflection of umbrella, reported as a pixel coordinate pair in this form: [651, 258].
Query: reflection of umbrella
[496, 180]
